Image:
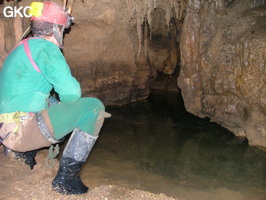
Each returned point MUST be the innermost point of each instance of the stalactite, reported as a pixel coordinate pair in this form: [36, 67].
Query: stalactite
[181, 10]
[146, 26]
[149, 19]
[142, 10]
[167, 14]
[139, 35]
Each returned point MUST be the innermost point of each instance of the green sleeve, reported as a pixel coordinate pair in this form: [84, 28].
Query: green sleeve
[54, 68]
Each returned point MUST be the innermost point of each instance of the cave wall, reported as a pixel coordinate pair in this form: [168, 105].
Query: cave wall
[115, 48]
[223, 57]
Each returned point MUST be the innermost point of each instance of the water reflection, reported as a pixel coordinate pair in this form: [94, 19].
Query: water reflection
[155, 145]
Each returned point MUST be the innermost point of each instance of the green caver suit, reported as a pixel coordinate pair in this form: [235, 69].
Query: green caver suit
[24, 89]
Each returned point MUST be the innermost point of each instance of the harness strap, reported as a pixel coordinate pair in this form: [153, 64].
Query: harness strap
[10, 117]
[28, 52]
[3, 139]
[13, 117]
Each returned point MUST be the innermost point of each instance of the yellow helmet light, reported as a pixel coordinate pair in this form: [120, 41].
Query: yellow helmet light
[36, 9]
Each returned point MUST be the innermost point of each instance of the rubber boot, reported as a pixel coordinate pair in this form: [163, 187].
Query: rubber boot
[67, 180]
[27, 157]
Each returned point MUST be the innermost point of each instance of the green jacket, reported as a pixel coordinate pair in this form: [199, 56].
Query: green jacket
[24, 89]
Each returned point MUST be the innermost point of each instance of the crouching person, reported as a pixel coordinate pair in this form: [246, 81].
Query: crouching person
[29, 73]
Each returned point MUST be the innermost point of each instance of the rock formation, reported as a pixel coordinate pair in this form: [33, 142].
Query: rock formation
[117, 47]
[223, 58]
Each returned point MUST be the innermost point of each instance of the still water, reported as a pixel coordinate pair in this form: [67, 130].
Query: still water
[156, 146]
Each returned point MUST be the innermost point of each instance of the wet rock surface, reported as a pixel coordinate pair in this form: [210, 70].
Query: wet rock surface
[223, 55]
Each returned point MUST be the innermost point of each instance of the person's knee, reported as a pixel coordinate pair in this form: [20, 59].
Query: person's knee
[99, 104]
[95, 112]
[92, 103]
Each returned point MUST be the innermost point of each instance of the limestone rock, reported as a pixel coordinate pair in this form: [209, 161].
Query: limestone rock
[223, 58]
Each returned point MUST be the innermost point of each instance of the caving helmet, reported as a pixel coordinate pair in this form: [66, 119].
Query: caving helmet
[53, 13]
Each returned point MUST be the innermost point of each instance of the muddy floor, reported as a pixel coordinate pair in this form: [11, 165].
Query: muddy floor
[19, 182]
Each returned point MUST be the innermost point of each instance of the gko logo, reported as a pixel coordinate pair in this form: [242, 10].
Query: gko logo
[14, 11]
